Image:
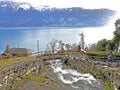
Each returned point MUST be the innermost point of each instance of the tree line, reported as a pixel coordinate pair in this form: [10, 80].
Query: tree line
[58, 45]
[107, 45]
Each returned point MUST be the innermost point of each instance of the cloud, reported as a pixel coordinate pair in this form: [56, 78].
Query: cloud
[92, 35]
[111, 4]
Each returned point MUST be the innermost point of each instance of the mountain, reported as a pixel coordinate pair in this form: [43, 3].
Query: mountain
[16, 14]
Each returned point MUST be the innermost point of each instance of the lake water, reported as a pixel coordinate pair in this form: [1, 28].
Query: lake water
[26, 37]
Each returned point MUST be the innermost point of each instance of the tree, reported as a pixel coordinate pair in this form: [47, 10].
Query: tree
[67, 46]
[104, 45]
[61, 45]
[110, 45]
[117, 24]
[7, 48]
[92, 46]
[117, 32]
[52, 45]
[101, 45]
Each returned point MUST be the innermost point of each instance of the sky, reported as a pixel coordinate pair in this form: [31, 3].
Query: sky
[92, 35]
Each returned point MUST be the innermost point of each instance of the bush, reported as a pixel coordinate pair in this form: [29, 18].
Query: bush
[20, 55]
[35, 78]
[97, 55]
[6, 56]
[102, 55]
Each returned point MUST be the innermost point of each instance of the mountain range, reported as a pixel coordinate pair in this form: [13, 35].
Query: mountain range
[17, 14]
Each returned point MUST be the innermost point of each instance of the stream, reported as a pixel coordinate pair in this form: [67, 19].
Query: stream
[74, 78]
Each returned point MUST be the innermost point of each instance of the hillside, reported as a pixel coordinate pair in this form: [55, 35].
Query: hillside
[26, 15]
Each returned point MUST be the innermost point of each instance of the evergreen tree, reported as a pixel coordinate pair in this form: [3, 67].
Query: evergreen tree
[117, 32]
[7, 48]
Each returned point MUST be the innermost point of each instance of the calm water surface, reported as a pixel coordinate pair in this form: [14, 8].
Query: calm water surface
[26, 37]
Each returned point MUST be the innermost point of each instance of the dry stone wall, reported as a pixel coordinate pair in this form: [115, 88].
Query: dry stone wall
[10, 75]
[85, 64]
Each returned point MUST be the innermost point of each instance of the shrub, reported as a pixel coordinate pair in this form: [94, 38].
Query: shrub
[102, 55]
[20, 55]
[39, 78]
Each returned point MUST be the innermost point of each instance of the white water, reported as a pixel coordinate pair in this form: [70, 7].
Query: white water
[69, 76]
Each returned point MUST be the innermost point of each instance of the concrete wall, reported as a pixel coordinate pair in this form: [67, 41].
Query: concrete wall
[10, 75]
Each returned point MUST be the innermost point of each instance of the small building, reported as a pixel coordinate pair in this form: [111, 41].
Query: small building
[75, 49]
[5, 55]
[23, 51]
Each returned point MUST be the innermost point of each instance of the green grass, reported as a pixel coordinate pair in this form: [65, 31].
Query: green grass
[98, 75]
[43, 70]
[102, 54]
[39, 78]
[108, 85]
[11, 61]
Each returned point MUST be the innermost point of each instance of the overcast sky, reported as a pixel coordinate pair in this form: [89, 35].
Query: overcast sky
[111, 4]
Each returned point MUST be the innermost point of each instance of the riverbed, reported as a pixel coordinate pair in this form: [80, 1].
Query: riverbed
[75, 79]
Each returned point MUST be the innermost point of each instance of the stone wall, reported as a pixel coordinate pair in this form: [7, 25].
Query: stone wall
[10, 75]
[112, 73]
[86, 65]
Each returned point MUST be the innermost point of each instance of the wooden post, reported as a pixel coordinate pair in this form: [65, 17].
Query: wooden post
[38, 46]
[0, 56]
[82, 43]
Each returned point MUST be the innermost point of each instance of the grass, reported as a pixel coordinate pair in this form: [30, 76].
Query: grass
[91, 69]
[108, 85]
[39, 78]
[102, 54]
[11, 61]
[43, 70]
[98, 75]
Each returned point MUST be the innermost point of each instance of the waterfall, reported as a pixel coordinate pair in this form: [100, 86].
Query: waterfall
[75, 78]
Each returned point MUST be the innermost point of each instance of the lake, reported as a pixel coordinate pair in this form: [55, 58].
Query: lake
[26, 37]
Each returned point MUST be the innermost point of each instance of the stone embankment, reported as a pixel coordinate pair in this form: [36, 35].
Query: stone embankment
[10, 75]
[108, 70]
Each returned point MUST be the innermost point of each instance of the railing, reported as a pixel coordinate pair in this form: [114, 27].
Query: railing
[49, 55]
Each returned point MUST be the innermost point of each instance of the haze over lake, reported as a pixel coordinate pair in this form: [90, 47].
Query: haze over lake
[26, 37]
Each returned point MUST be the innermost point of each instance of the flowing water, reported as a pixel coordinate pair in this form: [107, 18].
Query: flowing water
[75, 78]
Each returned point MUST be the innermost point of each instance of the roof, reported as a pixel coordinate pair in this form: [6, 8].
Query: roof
[21, 50]
[74, 49]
